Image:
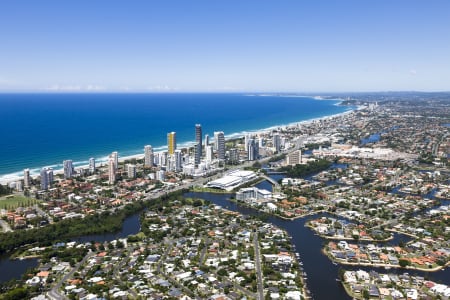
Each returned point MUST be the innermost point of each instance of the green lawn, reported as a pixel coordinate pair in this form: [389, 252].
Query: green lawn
[14, 201]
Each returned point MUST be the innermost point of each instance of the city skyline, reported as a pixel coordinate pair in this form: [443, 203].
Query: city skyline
[224, 47]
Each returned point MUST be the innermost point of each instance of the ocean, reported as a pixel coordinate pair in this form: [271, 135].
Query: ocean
[40, 130]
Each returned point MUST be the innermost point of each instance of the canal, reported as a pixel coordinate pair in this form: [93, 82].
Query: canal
[321, 272]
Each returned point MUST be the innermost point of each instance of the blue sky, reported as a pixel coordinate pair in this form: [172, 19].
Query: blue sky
[233, 45]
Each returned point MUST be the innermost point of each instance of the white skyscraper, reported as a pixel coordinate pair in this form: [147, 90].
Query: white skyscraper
[160, 175]
[148, 156]
[26, 178]
[209, 153]
[68, 168]
[111, 171]
[92, 165]
[115, 157]
[131, 171]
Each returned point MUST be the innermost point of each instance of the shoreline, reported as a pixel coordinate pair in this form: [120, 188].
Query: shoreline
[58, 168]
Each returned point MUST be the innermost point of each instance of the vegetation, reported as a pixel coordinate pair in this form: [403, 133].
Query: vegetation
[4, 190]
[303, 170]
[12, 202]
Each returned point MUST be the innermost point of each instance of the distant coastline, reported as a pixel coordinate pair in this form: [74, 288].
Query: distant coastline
[125, 154]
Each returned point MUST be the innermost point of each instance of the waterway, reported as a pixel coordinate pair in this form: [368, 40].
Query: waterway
[321, 272]
[16, 268]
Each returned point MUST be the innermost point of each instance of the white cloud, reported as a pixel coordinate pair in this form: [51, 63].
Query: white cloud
[74, 88]
[413, 72]
[162, 88]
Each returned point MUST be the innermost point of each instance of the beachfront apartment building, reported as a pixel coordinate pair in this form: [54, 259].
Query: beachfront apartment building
[219, 144]
[115, 157]
[46, 178]
[171, 142]
[198, 143]
[26, 178]
[92, 165]
[68, 168]
[148, 156]
[111, 171]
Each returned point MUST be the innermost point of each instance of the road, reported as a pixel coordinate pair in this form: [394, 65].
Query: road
[54, 292]
[260, 286]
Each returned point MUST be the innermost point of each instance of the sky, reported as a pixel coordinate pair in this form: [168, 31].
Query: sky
[224, 46]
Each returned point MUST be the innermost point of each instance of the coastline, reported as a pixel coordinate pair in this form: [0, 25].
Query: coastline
[102, 159]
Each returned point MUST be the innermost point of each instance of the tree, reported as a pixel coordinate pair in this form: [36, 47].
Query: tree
[404, 263]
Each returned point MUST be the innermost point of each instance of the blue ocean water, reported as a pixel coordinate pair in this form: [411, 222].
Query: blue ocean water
[40, 130]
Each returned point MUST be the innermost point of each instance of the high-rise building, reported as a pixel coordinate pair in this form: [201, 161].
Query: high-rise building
[115, 157]
[247, 138]
[178, 160]
[252, 150]
[219, 143]
[171, 142]
[46, 178]
[131, 171]
[234, 155]
[198, 143]
[294, 158]
[92, 165]
[50, 176]
[148, 156]
[209, 153]
[160, 175]
[206, 140]
[276, 141]
[68, 168]
[111, 171]
[26, 178]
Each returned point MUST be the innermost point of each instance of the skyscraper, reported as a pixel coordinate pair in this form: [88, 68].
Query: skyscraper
[251, 149]
[26, 178]
[92, 165]
[198, 143]
[171, 142]
[111, 171]
[178, 160]
[131, 171]
[219, 143]
[276, 141]
[234, 156]
[115, 157]
[148, 156]
[68, 168]
[206, 140]
[46, 178]
[209, 153]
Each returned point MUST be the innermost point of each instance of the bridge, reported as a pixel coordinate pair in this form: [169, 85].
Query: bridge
[273, 182]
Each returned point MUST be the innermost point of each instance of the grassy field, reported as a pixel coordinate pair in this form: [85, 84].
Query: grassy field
[14, 201]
